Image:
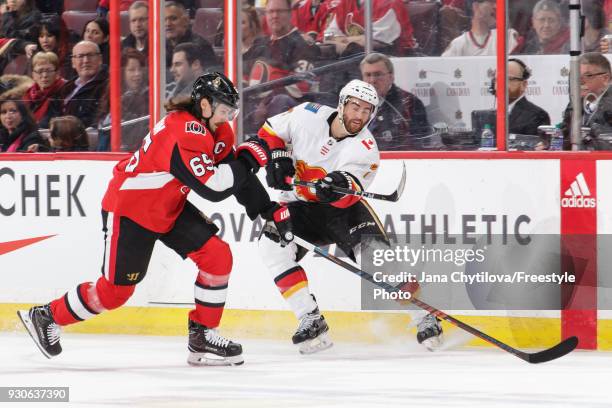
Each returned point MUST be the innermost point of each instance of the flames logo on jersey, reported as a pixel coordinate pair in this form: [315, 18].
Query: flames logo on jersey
[195, 127]
[304, 172]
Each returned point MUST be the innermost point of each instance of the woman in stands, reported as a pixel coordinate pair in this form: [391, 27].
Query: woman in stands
[42, 97]
[68, 135]
[53, 36]
[98, 31]
[18, 129]
[16, 29]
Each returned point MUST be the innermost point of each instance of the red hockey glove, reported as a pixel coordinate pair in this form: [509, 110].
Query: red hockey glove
[253, 153]
[279, 214]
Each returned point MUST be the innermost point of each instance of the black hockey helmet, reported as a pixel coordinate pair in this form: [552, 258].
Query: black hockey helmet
[215, 87]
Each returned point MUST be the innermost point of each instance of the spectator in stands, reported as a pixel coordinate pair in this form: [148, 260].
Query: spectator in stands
[98, 31]
[14, 86]
[134, 103]
[401, 116]
[138, 38]
[551, 35]
[67, 134]
[525, 117]
[251, 29]
[178, 31]
[281, 54]
[82, 95]
[43, 96]
[18, 130]
[186, 68]
[308, 16]
[392, 29]
[594, 25]
[595, 76]
[481, 39]
[53, 36]
[17, 30]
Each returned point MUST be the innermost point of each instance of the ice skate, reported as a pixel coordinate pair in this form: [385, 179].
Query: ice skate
[208, 347]
[429, 332]
[39, 322]
[312, 335]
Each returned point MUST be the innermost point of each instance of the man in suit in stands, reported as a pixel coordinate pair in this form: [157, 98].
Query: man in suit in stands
[401, 116]
[525, 117]
[83, 94]
[178, 30]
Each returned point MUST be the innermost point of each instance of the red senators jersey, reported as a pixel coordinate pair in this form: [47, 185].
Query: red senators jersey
[391, 23]
[180, 155]
[309, 18]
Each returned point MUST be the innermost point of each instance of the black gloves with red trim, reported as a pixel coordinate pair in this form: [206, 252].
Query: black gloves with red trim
[255, 153]
[323, 187]
[279, 214]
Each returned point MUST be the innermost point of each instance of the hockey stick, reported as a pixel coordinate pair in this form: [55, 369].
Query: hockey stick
[559, 350]
[394, 196]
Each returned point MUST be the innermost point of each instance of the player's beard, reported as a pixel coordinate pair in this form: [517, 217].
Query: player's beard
[353, 126]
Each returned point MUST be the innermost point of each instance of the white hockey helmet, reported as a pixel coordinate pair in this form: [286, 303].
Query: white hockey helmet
[360, 90]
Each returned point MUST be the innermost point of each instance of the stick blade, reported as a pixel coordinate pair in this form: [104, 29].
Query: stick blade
[561, 349]
[397, 194]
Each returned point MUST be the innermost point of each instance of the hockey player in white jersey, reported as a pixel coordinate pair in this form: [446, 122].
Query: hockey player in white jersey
[331, 147]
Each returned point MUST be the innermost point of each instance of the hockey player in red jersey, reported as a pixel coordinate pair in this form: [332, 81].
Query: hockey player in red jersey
[192, 148]
[332, 147]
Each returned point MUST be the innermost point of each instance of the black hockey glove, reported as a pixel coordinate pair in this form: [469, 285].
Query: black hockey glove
[279, 215]
[323, 187]
[254, 153]
[278, 169]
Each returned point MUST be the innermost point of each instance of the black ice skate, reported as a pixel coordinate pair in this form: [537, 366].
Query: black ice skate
[429, 332]
[311, 335]
[207, 347]
[43, 329]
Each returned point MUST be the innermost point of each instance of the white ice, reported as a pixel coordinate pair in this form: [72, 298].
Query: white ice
[146, 371]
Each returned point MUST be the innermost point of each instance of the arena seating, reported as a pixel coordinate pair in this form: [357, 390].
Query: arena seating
[80, 5]
[206, 22]
[75, 20]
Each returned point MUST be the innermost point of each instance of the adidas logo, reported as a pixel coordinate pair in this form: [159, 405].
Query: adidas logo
[577, 195]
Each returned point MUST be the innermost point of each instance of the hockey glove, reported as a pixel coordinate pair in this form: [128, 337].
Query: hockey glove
[280, 216]
[323, 187]
[254, 153]
[278, 169]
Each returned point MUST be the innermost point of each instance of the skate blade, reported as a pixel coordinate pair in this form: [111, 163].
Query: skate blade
[320, 343]
[207, 359]
[433, 343]
[24, 315]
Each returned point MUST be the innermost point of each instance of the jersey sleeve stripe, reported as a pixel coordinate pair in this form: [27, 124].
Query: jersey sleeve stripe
[147, 181]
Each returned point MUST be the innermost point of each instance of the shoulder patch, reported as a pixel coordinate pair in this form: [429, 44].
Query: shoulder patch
[313, 107]
[368, 143]
[195, 127]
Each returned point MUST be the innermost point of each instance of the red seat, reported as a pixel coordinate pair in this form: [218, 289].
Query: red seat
[80, 5]
[76, 20]
[206, 22]
[424, 18]
[17, 66]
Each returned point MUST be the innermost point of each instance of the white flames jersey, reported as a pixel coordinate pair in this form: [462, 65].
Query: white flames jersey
[305, 131]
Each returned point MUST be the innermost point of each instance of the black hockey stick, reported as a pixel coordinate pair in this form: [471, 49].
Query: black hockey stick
[559, 350]
[394, 196]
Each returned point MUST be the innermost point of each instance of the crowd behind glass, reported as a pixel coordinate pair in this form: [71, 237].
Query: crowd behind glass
[54, 55]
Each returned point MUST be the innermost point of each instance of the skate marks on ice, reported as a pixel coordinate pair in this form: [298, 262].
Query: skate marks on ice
[147, 371]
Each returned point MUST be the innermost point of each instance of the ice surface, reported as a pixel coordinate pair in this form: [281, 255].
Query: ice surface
[147, 371]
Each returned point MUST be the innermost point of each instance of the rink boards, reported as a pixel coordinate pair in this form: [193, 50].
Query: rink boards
[51, 239]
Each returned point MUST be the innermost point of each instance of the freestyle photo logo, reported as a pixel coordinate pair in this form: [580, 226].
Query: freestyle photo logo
[578, 195]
